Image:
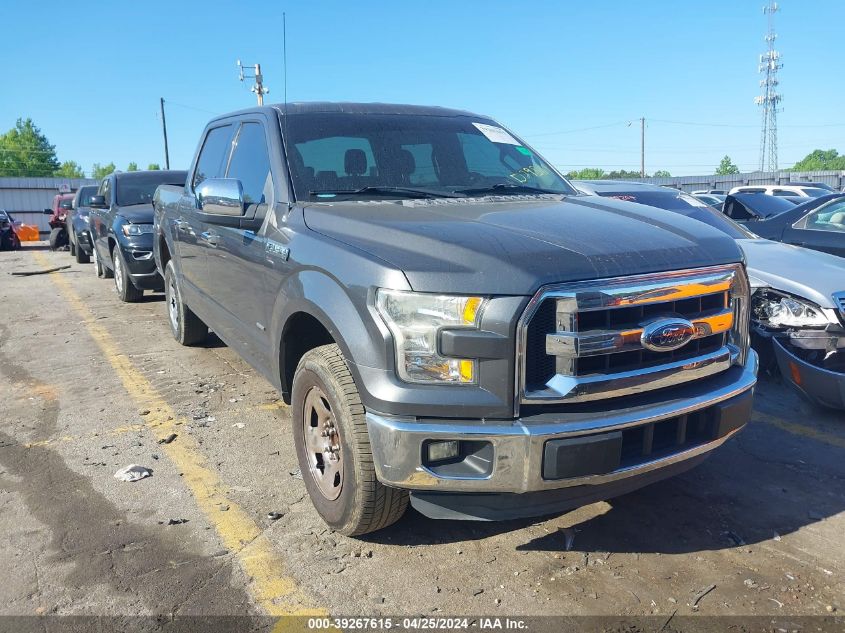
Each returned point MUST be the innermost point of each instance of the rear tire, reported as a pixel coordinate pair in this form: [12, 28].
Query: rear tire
[338, 468]
[58, 238]
[187, 328]
[126, 290]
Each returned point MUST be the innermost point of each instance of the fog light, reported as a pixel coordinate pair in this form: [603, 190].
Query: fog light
[440, 451]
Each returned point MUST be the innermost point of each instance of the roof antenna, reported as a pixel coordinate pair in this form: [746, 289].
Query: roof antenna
[285, 87]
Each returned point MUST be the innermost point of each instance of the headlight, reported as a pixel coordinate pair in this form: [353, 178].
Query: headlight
[137, 229]
[782, 311]
[415, 319]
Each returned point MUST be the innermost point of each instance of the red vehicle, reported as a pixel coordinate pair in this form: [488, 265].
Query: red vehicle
[62, 204]
[9, 240]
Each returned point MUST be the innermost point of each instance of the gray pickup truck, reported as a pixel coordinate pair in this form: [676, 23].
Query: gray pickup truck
[450, 321]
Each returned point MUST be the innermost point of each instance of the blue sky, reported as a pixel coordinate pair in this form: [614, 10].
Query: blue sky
[541, 68]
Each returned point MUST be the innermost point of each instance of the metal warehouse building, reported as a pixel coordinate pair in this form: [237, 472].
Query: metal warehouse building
[26, 198]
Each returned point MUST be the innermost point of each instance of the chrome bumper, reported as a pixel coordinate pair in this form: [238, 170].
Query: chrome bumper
[518, 446]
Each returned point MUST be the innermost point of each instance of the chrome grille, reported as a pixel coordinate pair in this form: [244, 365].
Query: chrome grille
[594, 340]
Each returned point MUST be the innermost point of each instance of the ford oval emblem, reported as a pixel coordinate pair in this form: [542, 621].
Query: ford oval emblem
[666, 335]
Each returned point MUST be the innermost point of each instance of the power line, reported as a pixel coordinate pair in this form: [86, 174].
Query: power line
[583, 129]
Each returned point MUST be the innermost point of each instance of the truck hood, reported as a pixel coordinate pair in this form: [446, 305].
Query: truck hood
[512, 245]
[137, 213]
[798, 271]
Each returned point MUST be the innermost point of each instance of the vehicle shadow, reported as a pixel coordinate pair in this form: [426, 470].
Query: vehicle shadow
[764, 483]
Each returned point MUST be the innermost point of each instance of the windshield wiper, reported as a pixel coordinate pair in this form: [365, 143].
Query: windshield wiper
[507, 188]
[388, 191]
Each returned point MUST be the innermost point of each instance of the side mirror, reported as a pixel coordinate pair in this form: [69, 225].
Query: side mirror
[221, 196]
[97, 202]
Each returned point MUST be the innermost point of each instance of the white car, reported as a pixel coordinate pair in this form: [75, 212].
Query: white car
[800, 191]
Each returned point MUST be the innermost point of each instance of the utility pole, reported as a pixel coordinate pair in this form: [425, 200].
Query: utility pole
[769, 100]
[164, 130]
[258, 88]
[642, 147]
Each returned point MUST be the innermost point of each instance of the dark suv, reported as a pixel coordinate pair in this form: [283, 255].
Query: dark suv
[77, 224]
[121, 225]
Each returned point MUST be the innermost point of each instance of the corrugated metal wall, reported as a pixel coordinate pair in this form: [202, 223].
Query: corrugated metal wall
[26, 198]
[835, 179]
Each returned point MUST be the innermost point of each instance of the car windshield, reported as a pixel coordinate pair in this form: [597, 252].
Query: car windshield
[371, 155]
[684, 204]
[815, 192]
[764, 205]
[139, 189]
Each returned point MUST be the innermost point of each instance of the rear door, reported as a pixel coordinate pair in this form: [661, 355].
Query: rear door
[100, 223]
[823, 229]
[237, 257]
[188, 227]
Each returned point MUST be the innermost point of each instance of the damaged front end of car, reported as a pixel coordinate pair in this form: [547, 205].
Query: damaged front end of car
[805, 340]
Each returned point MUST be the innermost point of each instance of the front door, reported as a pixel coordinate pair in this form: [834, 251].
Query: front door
[822, 229]
[237, 257]
[189, 228]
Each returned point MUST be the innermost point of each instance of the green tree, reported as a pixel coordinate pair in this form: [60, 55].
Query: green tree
[588, 173]
[99, 171]
[133, 166]
[153, 167]
[662, 173]
[25, 151]
[70, 169]
[726, 167]
[623, 174]
[819, 160]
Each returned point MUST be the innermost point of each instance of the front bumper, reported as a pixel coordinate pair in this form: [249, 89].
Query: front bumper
[513, 456]
[820, 385]
[140, 263]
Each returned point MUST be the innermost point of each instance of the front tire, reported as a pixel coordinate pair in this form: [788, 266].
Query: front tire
[123, 285]
[81, 256]
[187, 328]
[333, 447]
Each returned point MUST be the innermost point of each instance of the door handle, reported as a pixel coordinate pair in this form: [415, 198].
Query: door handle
[183, 227]
[210, 238]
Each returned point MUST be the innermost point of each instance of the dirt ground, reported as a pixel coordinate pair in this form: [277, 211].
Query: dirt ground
[90, 385]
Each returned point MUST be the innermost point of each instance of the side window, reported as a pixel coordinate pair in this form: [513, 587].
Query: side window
[830, 217]
[783, 192]
[215, 150]
[105, 190]
[251, 164]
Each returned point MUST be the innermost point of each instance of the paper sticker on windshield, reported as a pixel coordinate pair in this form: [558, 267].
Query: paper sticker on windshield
[496, 134]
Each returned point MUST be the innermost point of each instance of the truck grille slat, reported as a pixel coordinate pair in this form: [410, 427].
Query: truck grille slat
[588, 341]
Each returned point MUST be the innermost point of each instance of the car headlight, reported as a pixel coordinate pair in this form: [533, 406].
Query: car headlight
[137, 229]
[780, 310]
[415, 319]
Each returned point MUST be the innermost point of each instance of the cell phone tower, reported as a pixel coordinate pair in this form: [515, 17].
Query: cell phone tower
[770, 99]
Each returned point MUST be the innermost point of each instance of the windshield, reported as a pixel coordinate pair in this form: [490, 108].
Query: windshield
[376, 155]
[139, 189]
[815, 192]
[686, 205]
[764, 205]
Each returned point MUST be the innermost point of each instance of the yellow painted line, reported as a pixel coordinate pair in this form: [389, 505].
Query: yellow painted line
[274, 591]
[120, 430]
[800, 429]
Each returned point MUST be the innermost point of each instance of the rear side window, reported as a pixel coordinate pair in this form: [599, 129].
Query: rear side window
[251, 164]
[215, 150]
